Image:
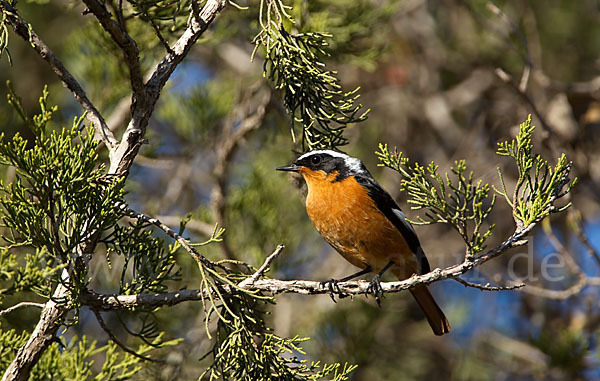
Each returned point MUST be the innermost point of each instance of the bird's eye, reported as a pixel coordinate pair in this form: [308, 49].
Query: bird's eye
[315, 160]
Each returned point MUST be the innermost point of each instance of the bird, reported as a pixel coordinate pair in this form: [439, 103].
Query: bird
[363, 223]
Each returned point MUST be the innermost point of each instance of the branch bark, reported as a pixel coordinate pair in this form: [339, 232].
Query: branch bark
[121, 154]
[21, 305]
[42, 336]
[127, 44]
[25, 31]
[105, 302]
[122, 157]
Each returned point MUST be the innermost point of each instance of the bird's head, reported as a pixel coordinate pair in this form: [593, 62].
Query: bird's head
[326, 165]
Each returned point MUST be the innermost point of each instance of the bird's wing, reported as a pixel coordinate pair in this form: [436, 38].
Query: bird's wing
[388, 207]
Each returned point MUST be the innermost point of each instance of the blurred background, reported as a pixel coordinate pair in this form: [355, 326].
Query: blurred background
[445, 80]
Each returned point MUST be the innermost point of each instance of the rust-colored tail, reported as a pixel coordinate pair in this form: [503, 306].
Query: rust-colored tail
[436, 318]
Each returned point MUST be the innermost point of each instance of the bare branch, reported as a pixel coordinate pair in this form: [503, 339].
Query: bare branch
[201, 227]
[122, 158]
[516, 29]
[563, 294]
[564, 252]
[305, 287]
[25, 31]
[106, 302]
[160, 36]
[171, 233]
[575, 224]
[507, 78]
[487, 287]
[42, 336]
[20, 305]
[126, 43]
[248, 282]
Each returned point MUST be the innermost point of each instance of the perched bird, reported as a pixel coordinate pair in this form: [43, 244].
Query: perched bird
[360, 220]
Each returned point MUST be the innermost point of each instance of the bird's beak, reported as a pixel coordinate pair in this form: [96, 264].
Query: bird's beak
[289, 168]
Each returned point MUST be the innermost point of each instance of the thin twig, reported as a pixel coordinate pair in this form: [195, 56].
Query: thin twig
[248, 282]
[574, 217]
[227, 148]
[120, 344]
[25, 31]
[564, 252]
[507, 78]
[160, 36]
[487, 287]
[527, 59]
[197, 226]
[20, 305]
[171, 233]
[557, 294]
[127, 44]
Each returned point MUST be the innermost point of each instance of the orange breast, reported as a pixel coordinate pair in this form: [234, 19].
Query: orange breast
[349, 220]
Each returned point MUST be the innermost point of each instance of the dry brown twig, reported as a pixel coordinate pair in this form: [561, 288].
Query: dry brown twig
[231, 142]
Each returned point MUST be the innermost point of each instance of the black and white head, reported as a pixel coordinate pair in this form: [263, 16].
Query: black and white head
[327, 164]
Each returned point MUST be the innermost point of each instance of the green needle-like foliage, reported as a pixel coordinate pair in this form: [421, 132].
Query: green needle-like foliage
[74, 361]
[539, 184]
[59, 198]
[4, 36]
[59, 201]
[311, 93]
[456, 199]
[246, 349]
[148, 264]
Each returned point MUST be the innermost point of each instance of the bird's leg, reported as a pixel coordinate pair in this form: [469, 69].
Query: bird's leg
[332, 284]
[375, 285]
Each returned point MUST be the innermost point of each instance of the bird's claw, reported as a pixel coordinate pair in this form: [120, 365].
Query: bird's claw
[333, 287]
[375, 289]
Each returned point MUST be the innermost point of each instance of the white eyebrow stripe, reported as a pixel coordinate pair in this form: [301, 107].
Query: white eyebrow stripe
[354, 164]
[329, 152]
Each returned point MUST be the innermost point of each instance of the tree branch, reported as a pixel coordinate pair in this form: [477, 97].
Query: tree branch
[197, 226]
[249, 282]
[122, 158]
[567, 293]
[127, 44]
[487, 287]
[25, 31]
[20, 305]
[105, 302]
[42, 336]
[171, 233]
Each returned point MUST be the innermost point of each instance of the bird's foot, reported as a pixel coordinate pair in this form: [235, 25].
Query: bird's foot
[333, 287]
[375, 289]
